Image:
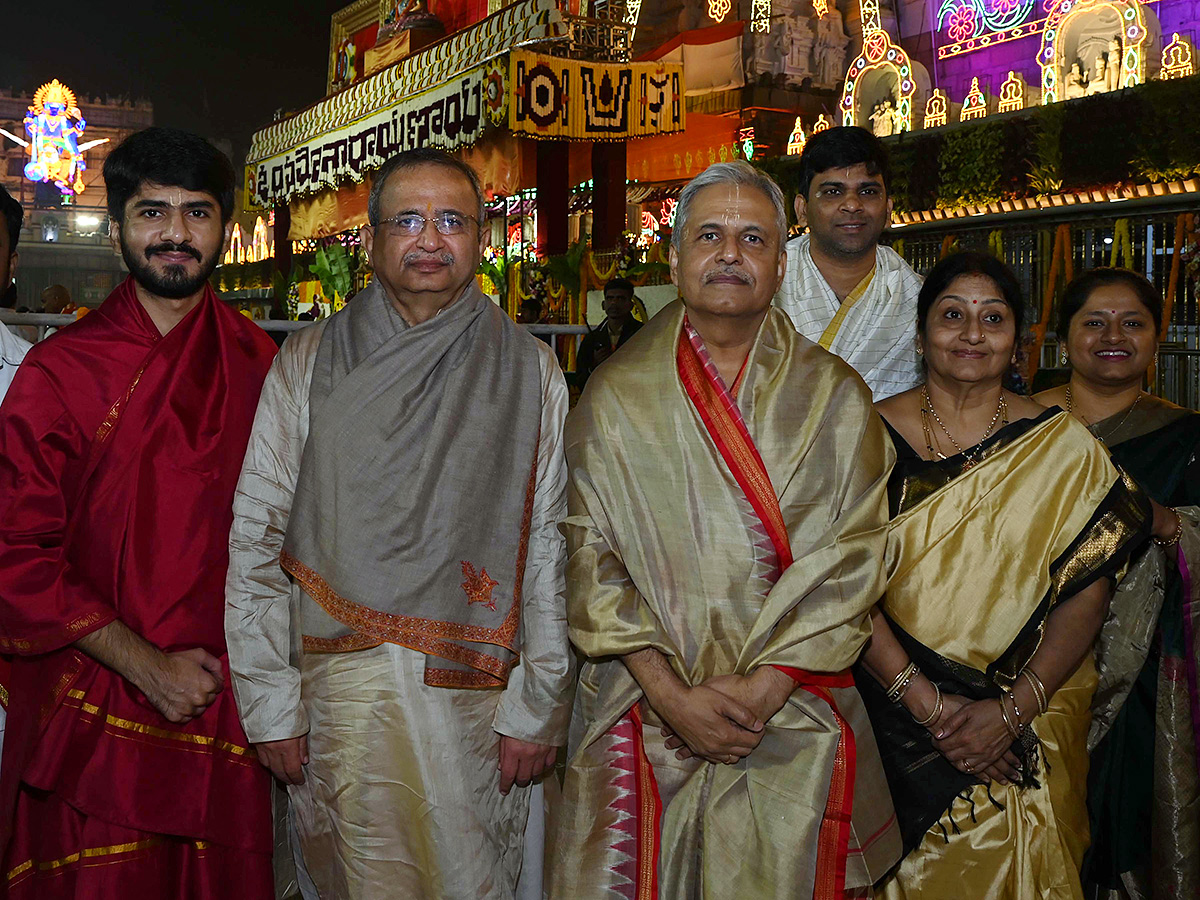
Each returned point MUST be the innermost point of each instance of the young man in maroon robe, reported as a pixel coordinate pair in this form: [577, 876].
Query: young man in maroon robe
[125, 771]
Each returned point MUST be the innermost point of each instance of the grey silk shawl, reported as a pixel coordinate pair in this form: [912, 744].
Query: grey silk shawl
[410, 520]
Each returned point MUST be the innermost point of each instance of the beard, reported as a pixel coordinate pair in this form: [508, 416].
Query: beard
[174, 282]
[835, 244]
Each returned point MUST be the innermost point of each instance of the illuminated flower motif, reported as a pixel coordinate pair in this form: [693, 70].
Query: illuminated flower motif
[718, 10]
[478, 586]
[875, 45]
[1004, 7]
[961, 24]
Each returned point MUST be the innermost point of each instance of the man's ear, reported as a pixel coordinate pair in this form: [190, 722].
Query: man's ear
[228, 237]
[12, 267]
[114, 235]
[800, 205]
[366, 234]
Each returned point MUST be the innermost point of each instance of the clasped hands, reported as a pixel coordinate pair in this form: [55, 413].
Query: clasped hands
[971, 734]
[722, 719]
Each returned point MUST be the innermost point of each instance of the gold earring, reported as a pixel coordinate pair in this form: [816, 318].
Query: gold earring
[920, 350]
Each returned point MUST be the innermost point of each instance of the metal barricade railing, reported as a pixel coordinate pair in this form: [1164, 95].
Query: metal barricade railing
[42, 322]
[1177, 376]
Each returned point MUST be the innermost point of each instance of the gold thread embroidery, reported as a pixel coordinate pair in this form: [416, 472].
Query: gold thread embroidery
[114, 412]
[94, 711]
[839, 318]
[93, 853]
[345, 644]
[478, 585]
[70, 632]
[457, 678]
[427, 635]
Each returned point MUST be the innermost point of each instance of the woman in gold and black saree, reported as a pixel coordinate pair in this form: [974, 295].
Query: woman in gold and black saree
[1144, 781]
[1009, 524]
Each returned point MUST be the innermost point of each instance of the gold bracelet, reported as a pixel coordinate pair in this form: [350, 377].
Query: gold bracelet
[1039, 690]
[937, 708]
[1012, 729]
[903, 680]
[899, 678]
[1173, 539]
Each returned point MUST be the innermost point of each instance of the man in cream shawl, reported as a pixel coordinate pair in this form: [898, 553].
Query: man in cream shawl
[395, 604]
[842, 289]
[718, 746]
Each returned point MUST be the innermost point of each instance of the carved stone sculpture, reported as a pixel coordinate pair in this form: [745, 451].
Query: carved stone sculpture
[883, 119]
[831, 43]
[1099, 81]
[1114, 63]
[798, 39]
[1075, 84]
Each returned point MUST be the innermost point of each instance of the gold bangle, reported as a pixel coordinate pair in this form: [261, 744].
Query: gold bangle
[1039, 690]
[1012, 729]
[937, 708]
[908, 682]
[903, 680]
[899, 678]
[1173, 539]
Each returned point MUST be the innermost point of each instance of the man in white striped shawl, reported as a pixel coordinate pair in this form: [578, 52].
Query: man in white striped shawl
[842, 289]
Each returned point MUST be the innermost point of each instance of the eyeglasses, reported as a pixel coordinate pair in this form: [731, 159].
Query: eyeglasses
[410, 224]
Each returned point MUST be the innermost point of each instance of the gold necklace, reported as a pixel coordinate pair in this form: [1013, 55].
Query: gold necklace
[1102, 438]
[928, 410]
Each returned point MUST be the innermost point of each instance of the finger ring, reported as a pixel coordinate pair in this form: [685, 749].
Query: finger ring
[966, 765]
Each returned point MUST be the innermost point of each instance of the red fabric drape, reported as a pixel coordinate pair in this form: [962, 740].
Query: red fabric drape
[119, 453]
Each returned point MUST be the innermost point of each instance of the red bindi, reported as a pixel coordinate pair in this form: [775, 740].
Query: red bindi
[973, 302]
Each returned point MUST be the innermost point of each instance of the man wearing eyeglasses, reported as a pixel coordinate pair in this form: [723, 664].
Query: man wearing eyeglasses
[395, 605]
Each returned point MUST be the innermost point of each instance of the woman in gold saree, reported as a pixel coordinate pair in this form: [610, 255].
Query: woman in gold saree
[1009, 523]
[1144, 781]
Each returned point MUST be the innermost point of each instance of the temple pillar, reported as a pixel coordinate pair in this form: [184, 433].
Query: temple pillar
[608, 193]
[553, 196]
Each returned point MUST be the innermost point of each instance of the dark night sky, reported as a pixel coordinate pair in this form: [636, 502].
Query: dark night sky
[219, 68]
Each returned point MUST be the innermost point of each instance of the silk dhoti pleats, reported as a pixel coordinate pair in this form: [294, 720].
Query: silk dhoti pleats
[58, 853]
[401, 795]
[1034, 846]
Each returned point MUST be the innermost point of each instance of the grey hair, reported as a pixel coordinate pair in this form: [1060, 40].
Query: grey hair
[410, 159]
[738, 172]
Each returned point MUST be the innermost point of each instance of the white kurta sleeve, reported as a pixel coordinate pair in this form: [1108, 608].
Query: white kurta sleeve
[536, 704]
[263, 645]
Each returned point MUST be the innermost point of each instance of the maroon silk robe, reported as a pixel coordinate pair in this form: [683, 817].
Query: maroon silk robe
[119, 453]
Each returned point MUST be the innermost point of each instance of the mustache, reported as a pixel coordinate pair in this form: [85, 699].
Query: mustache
[445, 257]
[725, 272]
[169, 247]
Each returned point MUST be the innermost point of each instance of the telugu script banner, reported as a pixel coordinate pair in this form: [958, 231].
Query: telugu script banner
[450, 116]
[552, 97]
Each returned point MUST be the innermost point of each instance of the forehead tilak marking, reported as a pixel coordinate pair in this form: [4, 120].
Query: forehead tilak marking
[732, 210]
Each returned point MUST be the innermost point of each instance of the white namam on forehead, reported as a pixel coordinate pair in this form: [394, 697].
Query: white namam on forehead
[735, 174]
